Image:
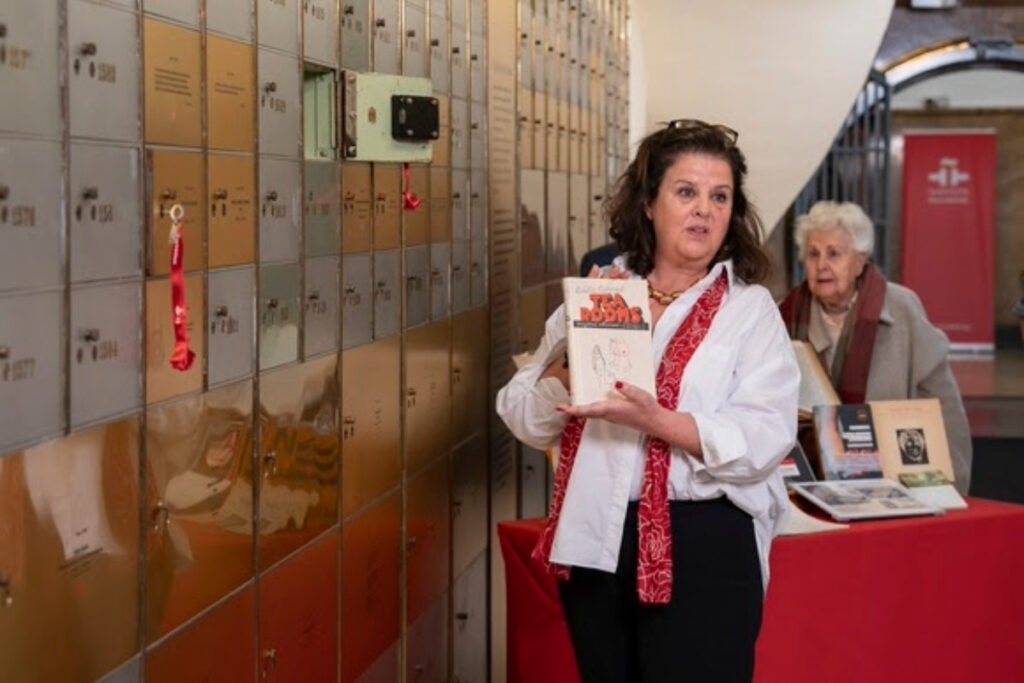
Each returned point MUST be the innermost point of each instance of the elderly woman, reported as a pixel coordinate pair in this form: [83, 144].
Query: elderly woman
[872, 335]
[665, 507]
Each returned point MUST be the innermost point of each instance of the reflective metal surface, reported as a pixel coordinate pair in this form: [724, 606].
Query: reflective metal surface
[417, 285]
[32, 30]
[426, 648]
[469, 502]
[356, 300]
[69, 556]
[414, 38]
[217, 647]
[533, 480]
[278, 24]
[370, 588]
[427, 394]
[198, 504]
[370, 423]
[299, 615]
[579, 221]
[532, 219]
[440, 279]
[387, 206]
[230, 94]
[299, 456]
[320, 306]
[230, 17]
[557, 247]
[469, 623]
[278, 314]
[417, 221]
[232, 228]
[386, 36]
[387, 293]
[469, 373]
[231, 324]
[175, 178]
[532, 314]
[356, 207]
[279, 92]
[443, 144]
[279, 202]
[320, 31]
[440, 204]
[355, 35]
[173, 113]
[162, 380]
[428, 537]
[322, 208]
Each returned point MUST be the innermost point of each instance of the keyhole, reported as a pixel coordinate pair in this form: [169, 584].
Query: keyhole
[78, 213]
[78, 66]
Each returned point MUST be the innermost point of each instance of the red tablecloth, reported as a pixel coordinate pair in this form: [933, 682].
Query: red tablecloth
[925, 599]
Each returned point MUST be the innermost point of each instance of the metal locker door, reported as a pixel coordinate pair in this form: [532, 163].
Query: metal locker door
[532, 314]
[478, 17]
[230, 95]
[280, 202]
[532, 232]
[459, 55]
[414, 59]
[574, 139]
[387, 293]
[231, 18]
[469, 503]
[461, 293]
[298, 463]
[198, 504]
[478, 135]
[417, 285]
[427, 644]
[417, 220]
[526, 33]
[460, 204]
[356, 300]
[533, 483]
[460, 14]
[30, 68]
[540, 129]
[129, 672]
[31, 384]
[371, 429]
[175, 178]
[443, 144]
[30, 214]
[563, 135]
[477, 273]
[103, 72]
[184, 11]
[355, 35]
[579, 221]
[525, 126]
[163, 381]
[172, 84]
[386, 29]
[598, 230]
[427, 394]
[230, 323]
[356, 207]
[321, 319]
[320, 31]
[299, 615]
[387, 206]
[105, 217]
[477, 68]
[277, 25]
[280, 97]
[69, 555]
[440, 279]
[278, 310]
[440, 204]
[478, 205]
[232, 238]
[469, 623]
[369, 590]
[551, 121]
[322, 210]
[427, 539]
[220, 646]
[557, 219]
[440, 69]
[105, 353]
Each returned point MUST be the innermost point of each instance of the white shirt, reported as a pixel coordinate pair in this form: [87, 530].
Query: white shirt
[741, 388]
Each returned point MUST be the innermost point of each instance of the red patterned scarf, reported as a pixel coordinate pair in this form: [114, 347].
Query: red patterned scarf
[856, 343]
[654, 564]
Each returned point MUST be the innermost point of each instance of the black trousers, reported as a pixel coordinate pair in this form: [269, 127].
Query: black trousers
[706, 633]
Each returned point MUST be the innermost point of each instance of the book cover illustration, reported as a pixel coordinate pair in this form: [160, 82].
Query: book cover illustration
[608, 326]
[796, 467]
[912, 437]
[863, 499]
[846, 442]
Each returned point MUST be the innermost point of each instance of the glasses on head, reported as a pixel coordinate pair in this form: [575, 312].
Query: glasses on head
[696, 124]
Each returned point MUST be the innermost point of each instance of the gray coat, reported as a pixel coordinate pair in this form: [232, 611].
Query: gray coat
[910, 360]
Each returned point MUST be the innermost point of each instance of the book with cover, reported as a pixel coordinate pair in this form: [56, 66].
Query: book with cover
[815, 387]
[847, 447]
[911, 437]
[608, 326]
[796, 467]
[863, 499]
[932, 488]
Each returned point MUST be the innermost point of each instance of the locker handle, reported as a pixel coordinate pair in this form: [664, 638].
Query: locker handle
[382, 285]
[5, 352]
[270, 655]
[220, 194]
[91, 334]
[169, 193]
[271, 196]
[160, 516]
[270, 87]
[3, 30]
[472, 58]
[411, 33]
[87, 49]
[6, 599]
[350, 291]
[221, 312]
[91, 193]
[475, 195]
[598, 197]
[456, 269]
[434, 42]
[272, 303]
[524, 119]
[456, 195]
[524, 36]
[349, 9]
[314, 295]
[380, 23]
[462, 616]
[455, 50]
[474, 126]
[5, 192]
[270, 464]
[537, 42]
[414, 280]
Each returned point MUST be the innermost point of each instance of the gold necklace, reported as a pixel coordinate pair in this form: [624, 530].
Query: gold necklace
[663, 298]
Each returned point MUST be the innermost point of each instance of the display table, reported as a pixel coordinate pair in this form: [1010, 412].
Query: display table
[929, 599]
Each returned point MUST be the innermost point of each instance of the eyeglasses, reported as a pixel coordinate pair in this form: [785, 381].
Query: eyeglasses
[687, 124]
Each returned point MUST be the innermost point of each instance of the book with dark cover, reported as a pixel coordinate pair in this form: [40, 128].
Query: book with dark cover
[846, 440]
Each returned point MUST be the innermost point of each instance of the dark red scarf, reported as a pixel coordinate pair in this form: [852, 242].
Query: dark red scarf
[654, 564]
[855, 346]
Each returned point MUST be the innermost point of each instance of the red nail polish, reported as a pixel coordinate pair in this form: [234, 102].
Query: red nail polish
[618, 385]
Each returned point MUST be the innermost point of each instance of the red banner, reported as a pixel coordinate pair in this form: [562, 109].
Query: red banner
[948, 231]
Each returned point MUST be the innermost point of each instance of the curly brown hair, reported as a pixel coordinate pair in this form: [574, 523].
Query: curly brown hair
[633, 231]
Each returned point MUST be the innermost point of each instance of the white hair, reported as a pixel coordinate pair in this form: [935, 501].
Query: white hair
[845, 216]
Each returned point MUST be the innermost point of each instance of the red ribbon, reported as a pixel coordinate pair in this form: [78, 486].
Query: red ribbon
[182, 357]
[410, 201]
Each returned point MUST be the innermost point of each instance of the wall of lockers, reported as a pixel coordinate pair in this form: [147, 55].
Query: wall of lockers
[308, 501]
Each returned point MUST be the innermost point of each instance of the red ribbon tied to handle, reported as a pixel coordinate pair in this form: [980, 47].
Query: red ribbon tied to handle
[410, 201]
[182, 356]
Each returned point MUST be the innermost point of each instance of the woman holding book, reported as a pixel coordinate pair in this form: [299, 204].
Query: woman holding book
[665, 505]
[872, 336]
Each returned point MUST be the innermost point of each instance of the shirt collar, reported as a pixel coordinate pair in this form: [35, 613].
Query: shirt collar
[714, 272]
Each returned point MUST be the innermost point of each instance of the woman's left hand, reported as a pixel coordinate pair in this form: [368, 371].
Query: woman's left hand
[636, 409]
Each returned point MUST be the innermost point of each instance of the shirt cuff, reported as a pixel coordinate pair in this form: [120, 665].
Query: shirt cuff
[550, 390]
[717, 442]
